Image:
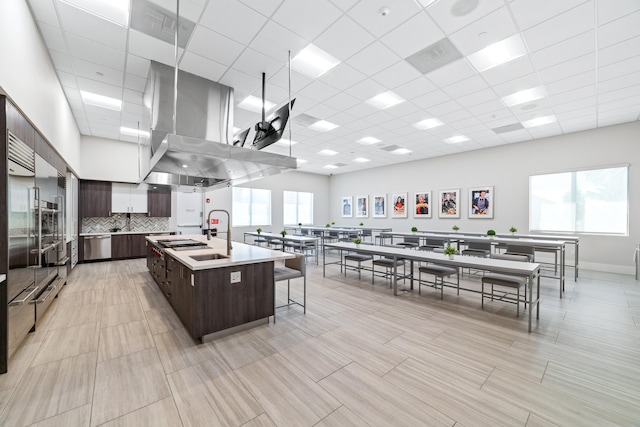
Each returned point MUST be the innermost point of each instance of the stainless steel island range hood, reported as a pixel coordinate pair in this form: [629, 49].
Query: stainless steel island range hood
[198, 152]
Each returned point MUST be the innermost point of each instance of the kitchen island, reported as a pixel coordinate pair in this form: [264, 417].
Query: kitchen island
[215, 294]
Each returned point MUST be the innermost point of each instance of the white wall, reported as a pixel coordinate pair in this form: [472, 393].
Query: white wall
[108, 160]
[290, 181]
[507, 168]
[28, 78]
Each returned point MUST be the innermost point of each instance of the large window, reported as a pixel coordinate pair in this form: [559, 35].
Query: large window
[586, 201]
[251, 207]
[298, 208]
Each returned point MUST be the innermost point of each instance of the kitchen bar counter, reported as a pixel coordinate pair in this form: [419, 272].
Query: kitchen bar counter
[127, 232]
[240, 253]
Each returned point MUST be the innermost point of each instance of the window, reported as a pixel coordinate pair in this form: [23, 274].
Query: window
[298, 207]
[587, 201]
[251, 206]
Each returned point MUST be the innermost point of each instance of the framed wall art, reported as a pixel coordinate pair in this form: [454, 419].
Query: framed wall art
[449, 203]
[422, 204]
[379, 206]
[481, 202]
[399, 203]
[347, 207]
[362, 206]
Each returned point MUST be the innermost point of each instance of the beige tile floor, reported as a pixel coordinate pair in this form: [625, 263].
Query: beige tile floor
[111, 352]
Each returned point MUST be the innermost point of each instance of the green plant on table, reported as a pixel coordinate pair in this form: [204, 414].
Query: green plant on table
[491, 232]
[283, 232]
[414, 229]
[455, 228]
[333, 223]
[361, 224]
[450, 250]
[259, 230]
[357, 240]
[513, 230]
[328, 225]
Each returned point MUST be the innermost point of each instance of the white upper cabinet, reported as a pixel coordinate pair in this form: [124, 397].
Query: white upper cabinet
[128, 198]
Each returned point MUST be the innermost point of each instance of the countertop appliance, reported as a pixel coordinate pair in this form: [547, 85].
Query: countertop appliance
[182, 244]
[97, 247]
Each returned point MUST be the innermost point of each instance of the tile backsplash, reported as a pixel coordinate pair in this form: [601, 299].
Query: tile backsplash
[137, 223]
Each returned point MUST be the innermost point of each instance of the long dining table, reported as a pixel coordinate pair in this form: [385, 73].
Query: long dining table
[530, 270]
[557, 246]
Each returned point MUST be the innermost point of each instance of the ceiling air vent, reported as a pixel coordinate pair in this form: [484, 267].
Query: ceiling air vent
[508, 128]
[160, 23]
[390, 148]
[305, 120]
[432, 57]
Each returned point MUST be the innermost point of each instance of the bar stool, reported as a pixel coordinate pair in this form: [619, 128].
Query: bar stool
[359, 258]
[388, 264]
[439, 272]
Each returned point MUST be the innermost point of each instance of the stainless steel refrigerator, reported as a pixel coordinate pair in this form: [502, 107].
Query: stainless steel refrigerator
[36, 239]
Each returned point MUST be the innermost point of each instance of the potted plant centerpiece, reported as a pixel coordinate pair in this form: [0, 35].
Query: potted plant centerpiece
[513, 230]
[361, 224]
[414, 229]
[491, 233]
[333, 223]
[283, 232]
[328, 225]
[259, 230]
[451, 251]
[357, 241]
[455, 228]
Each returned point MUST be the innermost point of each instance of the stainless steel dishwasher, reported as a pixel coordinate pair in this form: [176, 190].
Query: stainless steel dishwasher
[97, 247]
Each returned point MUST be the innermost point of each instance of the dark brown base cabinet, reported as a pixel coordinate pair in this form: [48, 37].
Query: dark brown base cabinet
[206, 301]
[128, 246]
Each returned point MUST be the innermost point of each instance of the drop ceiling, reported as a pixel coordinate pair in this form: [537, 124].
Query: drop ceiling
[581, 58]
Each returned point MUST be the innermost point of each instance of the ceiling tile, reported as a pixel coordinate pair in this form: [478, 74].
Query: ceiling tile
[451, 73]
[254, 63]
[97, 72]
[374, 58]
[564, 26]
[145, 46]
[132, 96]
[44, 11]
[342, 101]
[276, 41]
[138, 66]
[397, 74]
[413, 35]
[441, 13]
[573, 95]
[465, 86]
[307, 19]
[265, 7]
[134, 82]
[91, 51]
[342, 76]
[618, 69]
[365, 90]
[67, 80]
[189, 9]
[367, 14]
[214, 46]
[619, 52]
[53, 37]
[241, 81]
[619, 30]
[505, 72]
[610, 10]
[430, 99]
[476, 98]
[319, 91]
[99, 88]
[415, 88]
[61, 61]
[521, 83]
[87, 25]
[528, 13]
[568, 68]
[491, 28]
[233, 20]
[560, 52]
[344, 38]
[573, 82]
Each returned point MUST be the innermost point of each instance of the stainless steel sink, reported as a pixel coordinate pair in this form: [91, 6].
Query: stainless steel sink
[207, 257]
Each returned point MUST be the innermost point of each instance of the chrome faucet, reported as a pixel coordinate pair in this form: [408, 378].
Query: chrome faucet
[228, 228]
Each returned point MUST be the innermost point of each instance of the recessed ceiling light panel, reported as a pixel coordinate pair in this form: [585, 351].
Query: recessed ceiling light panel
[456, 139]
[539, 121]
[313, 61]
[401, 151]
[427, 124]
[134, 132]
[101, 101]
[524, 96]
[328, 152]
[361, 160]
[323, 126]
[498, 53]
[116, 11]
[330, 167]
[368, 140]
[254, 104]
[386, 100]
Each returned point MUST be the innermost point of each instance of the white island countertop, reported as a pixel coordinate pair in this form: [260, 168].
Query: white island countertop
[241, 253]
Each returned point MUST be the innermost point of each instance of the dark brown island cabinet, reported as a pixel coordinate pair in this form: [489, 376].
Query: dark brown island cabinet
[207, 302]
[125, 246]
